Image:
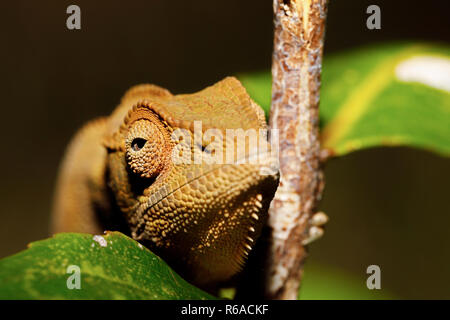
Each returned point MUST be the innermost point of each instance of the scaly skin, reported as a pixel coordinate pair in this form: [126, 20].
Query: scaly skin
[202, 218]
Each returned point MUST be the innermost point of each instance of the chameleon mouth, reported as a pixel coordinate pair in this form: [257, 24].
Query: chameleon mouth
[269, 167]
[211, 221]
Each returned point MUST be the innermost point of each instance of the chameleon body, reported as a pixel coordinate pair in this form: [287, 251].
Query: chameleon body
[202, 218]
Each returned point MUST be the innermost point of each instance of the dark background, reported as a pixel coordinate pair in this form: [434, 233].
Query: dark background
[388, 206]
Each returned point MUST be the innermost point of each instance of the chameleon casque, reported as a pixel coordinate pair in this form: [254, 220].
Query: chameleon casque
[203, 218]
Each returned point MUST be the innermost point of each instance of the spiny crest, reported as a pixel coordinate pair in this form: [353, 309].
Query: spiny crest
[224, 105]
[142, 110]
[145, 91]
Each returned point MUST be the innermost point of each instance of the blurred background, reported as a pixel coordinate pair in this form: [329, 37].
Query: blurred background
[388, 206]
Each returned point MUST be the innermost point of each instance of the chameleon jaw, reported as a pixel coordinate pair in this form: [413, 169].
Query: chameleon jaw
[208, 235]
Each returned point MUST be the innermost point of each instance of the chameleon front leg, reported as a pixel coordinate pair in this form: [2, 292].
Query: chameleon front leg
[80, 189]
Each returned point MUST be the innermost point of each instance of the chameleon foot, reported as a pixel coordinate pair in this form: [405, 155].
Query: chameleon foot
[315, 232]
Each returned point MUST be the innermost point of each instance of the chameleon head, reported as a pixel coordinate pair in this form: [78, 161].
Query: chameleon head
[204, 213]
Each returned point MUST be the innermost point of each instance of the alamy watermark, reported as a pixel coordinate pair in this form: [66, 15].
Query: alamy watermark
[374, 280]
[227, 146]
[73, 21]
[374, 20]
[74, 280]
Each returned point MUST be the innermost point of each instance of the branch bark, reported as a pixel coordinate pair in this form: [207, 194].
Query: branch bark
[296, 68]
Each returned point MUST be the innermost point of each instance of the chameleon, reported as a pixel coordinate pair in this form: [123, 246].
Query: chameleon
[202, 217]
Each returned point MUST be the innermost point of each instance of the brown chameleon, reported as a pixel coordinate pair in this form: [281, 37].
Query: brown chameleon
[203, 218]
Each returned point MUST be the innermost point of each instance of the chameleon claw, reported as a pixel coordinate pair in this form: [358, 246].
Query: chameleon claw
[325, 154]
[318, 220]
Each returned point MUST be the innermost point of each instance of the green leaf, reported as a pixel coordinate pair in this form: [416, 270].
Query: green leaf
[377, 96]
[330, 283]
[120, 269]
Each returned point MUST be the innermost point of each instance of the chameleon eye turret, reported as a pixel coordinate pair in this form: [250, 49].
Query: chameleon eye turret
[145, 151]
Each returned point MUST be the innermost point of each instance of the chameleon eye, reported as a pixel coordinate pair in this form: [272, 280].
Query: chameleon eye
[146, 148]
[137, 144]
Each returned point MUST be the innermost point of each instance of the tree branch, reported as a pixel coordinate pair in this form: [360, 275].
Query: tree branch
[296, 67]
